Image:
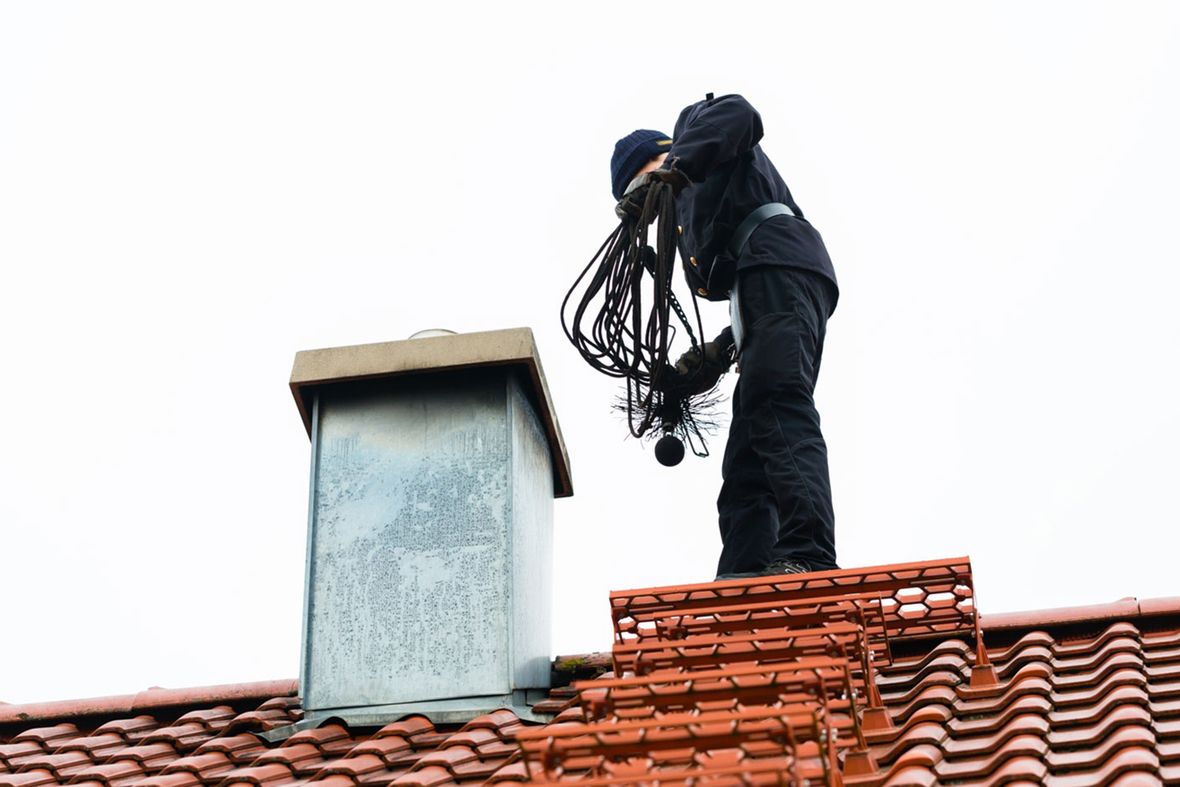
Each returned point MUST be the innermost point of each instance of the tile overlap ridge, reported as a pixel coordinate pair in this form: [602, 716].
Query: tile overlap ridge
[1086, 708]
[770, 680]
[219, 747]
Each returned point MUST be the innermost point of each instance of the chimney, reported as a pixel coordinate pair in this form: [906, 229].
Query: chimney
[434, 464]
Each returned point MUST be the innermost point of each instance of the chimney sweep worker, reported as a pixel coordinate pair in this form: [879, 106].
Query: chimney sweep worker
[744, 239]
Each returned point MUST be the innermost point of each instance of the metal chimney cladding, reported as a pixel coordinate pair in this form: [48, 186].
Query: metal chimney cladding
[435, 462]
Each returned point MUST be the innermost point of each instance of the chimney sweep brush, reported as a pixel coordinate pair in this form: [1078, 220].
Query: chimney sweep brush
[620, 321]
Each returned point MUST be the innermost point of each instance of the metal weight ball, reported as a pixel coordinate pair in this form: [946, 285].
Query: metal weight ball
[669, 450]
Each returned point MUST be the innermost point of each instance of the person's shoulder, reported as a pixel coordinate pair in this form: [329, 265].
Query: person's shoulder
[690, 112]
[726, 101]
[714, 108]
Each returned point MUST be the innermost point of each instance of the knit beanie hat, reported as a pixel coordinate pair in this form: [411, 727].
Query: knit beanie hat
[631, 153]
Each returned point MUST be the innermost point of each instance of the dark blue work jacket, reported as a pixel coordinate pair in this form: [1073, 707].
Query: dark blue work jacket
[716, 145]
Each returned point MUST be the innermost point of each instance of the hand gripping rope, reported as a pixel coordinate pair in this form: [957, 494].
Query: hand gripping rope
[622, 326]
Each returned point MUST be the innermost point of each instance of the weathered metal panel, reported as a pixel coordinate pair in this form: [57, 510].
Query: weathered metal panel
[425, 490]
[532, 543]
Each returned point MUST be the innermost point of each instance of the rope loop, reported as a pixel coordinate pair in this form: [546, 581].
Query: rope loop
[618, 315]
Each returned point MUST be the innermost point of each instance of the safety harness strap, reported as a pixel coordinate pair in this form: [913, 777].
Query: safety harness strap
[742, 234]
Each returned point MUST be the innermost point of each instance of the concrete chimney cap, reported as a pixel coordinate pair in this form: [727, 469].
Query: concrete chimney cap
[314, 369]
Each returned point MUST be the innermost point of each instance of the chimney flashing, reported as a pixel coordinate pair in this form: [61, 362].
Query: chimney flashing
[439, 712]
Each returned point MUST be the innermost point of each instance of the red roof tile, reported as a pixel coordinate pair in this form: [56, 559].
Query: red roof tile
[1085, 696]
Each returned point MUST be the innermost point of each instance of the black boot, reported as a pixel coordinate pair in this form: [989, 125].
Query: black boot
[784, 566]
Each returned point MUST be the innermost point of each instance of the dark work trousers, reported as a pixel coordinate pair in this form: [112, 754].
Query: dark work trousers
[776, 499]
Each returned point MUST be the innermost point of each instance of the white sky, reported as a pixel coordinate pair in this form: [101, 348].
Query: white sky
[192, 192]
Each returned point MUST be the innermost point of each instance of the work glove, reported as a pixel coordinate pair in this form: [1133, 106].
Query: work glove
[633, 198]
[699, 369]
[636, 194]
[672, 176]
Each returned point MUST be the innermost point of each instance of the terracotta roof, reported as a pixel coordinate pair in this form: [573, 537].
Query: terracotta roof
[1083, 696]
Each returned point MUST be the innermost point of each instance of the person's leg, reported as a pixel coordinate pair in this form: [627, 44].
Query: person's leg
[747, 513]
[785, 315]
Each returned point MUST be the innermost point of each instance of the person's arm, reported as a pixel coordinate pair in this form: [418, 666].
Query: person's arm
[712, 133]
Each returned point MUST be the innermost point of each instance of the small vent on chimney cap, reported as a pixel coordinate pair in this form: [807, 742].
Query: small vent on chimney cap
[426, 334]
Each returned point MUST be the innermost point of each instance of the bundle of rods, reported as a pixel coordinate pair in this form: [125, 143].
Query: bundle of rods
[622, 326]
